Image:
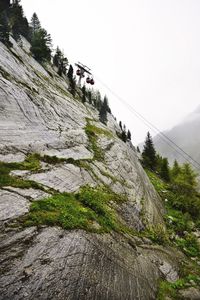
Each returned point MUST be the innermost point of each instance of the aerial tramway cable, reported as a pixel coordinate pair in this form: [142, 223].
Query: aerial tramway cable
[163, 136]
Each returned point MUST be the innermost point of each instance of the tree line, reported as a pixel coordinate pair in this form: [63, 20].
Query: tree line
[13, 22]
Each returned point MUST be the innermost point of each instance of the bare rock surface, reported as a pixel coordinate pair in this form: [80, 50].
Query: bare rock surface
[31, 194]
[12, 205]
[65, 178]
[73, 265]
[190, 294]
[9, 158]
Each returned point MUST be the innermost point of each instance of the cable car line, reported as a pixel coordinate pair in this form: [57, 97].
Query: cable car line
[163, 136]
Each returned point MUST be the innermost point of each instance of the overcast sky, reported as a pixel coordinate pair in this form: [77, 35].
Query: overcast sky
[146, 51]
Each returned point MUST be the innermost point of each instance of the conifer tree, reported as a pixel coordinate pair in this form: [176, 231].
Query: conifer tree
[138, 149]
[41, 45]
[40, 40]
[124, 136]
[175, 169]
[60, 62]
[4, 29]
[4, 5]
[19, 23]
[89, 94]
[83, 94]
[149, 154]
[72, 82]
[120, 124]
[35, 23]
[103, 111]
[98, 102]
[164, 170]
[129, 135]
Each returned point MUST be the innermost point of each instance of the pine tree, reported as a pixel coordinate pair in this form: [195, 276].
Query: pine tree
[4, 5]
[70, 73]
[103, 111]
[129, 135]
[72, 82]
[4, 29]
[83, 94]
[124, 136]
[138, 149]
[19, 23]
[89, 94]
[98, 101]
[60, 62]
[40, 41]
[175, 169]
[164, 170]
[120, 124]
[149, 154]
[41, 45]
[35, 23]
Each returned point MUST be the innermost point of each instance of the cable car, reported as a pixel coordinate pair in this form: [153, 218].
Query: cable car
[92, 81]
[78, 72]
[88, 79]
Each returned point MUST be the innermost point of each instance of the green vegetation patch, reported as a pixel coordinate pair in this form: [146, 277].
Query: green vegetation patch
[157, 233]
[31, 163]
[82, 210]
[93, 132]
[168, 289]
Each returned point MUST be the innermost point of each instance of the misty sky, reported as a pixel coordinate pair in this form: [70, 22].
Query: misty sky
[146, 51]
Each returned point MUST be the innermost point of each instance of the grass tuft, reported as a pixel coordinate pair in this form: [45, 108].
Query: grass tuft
[81, 211]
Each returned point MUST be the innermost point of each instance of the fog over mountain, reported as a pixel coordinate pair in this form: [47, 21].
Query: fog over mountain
[185, 135]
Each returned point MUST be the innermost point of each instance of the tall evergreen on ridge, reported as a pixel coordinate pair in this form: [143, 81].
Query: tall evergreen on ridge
[98, 101]
[103, 110]
[72, 82]
[35, 23]
[149, 154]
[176, 169]
[60, 61]
[138, 149]
[4, 29]
[164, 170]
[129, 135]
[40, 41]
[18, 22]
[4, 5]
[4, 25]
[89, 95]
[83, 93]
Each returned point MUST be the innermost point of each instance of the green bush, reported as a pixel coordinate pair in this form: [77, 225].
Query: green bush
[158, 234]
[77, 210]
[189, 245]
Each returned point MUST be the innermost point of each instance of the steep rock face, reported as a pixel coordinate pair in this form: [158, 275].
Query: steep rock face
[38, 115]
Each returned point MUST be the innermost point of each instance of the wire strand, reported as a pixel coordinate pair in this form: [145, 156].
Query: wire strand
[150, 125]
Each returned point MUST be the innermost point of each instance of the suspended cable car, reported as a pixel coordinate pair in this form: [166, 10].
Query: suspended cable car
[78, 72]
[92, 81]
[88, 79]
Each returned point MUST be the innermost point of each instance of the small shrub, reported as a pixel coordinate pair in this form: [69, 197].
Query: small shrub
[158, 234]
[189, 245]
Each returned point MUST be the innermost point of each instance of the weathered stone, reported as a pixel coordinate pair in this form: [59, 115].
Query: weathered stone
[20, 173]
[168, 271]
[31, 194]
[9, 158]
[12, 205]
[77, 152]
[190, 294]
[56, 264]
[65, 178]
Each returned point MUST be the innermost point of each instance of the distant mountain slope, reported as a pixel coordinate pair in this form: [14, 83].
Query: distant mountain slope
[185, 135]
